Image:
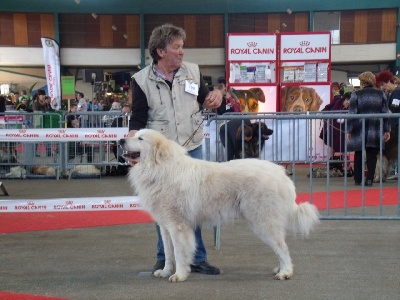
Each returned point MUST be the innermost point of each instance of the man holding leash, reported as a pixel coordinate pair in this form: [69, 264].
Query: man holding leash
[169, 95]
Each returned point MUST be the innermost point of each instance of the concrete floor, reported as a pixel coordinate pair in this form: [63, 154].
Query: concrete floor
[340, 260]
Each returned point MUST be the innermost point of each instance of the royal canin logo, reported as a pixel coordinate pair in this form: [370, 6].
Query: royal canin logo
[31, 203]
[107, 201]
[252, 44]
[305, 43]
[22, 130]
[69, 202]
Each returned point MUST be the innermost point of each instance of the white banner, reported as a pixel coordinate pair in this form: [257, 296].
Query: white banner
[64, 134]
[51, 52]
[71, 204]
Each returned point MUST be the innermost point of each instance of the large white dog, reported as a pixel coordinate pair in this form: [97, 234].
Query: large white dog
[181, 192]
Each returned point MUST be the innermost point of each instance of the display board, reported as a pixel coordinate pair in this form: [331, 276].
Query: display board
[251, 70]
[281, 72]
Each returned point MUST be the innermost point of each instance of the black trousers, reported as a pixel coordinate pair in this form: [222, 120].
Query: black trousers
[371, 156]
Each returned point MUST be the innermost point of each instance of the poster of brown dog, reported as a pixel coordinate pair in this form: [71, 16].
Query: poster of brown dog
[300, 99]
[256, 99]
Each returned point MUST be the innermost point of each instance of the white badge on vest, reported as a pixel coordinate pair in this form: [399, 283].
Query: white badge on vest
[396, 102]
[191, 87]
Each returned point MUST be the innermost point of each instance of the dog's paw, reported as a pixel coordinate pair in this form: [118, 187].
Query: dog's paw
[282, 275]
[178, 277]
[162, 273]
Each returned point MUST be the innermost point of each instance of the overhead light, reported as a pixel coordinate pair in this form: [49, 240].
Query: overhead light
[125, 36]
[114, 27]
[94, 15]
[77, 1]
[284, 25]
[289, 11]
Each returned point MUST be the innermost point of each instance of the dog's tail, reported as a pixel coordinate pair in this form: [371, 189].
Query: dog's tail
[303, 219]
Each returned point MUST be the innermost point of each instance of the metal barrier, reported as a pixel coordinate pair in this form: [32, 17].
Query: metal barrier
[295, 143]
[50, 157]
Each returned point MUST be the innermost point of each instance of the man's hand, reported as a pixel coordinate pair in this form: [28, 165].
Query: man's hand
[213, 100]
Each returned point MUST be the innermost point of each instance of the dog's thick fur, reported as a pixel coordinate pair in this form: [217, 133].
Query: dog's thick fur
[300, 99]
[181, 192]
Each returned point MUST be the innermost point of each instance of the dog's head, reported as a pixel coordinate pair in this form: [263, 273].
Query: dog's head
[261, 127]
[148, 145]
[299, 99]
[249, 98]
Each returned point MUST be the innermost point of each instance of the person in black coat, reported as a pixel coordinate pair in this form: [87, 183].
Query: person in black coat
[368, 100]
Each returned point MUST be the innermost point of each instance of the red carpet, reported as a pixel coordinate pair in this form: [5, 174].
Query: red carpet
[31, 221]
[15, 296]
[354, 198]
[34, 221]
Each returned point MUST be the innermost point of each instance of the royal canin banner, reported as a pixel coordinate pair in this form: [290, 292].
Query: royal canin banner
[298, 47]
[71, 204]
[252, 48]
[64, 134]
[51, 52]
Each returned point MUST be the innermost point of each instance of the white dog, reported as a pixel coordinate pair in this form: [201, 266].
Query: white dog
[181, 192]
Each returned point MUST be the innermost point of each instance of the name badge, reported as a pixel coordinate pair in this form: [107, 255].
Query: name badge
[396, 102]
[191, 87]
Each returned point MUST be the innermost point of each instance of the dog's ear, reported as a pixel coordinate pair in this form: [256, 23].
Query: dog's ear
[161, 151]
[259, 94]
[316, 100]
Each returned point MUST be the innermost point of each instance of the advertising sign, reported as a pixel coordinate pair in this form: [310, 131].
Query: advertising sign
[299, 47]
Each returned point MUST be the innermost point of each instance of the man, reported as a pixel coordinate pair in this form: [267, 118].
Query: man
[82, 107]
[167, 97]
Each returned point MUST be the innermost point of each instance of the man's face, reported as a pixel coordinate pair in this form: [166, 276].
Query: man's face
[172, 56]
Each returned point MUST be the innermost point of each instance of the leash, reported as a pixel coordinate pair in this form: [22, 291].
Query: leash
[197, 129]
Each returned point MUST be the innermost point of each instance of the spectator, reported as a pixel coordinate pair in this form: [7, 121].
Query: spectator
[121, 121]
[108, 119]
[47, 105]
[367, 100]
[230, 103]
[161, 102]
[72, 118]
[389, 84]
[39, 103]
[333, 131]
[2, 104]
[82, 107]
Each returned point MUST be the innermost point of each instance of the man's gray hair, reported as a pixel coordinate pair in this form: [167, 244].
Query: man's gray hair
[162, 36]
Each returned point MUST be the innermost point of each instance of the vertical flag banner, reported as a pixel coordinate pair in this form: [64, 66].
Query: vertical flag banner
[51, 52]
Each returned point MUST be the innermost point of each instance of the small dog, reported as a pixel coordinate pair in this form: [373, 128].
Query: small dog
[249, 99]
[43, 170]
[233, 144]
[181, 192]
[260, 133]
[299, 99]
[16, 172]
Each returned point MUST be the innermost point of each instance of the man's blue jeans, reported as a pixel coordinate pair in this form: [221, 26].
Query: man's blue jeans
[201, 253]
